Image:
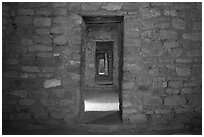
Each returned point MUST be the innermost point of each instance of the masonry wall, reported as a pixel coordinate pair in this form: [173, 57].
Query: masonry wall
[162, 81]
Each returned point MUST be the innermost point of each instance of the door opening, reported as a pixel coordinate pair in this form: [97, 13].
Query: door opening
[104, 63]
[101, 67]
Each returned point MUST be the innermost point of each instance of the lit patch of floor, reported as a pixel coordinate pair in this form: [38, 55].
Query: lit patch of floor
[101, 100]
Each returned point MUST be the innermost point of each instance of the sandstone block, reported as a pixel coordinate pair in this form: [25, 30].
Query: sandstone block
[129, 110]
[42, 22]
[61, 40]
[175, 52]
[74, 6]
[171, 44]
[152, 101]
[20, 116]
[128, 85]
[61, 20]
[45, 55]
[153, 49]
[130, 6]
[172, 91]
[196, 36]
[162, 111]
[137, 118]
[159, 84]
[19, 93]
[75, 76]
[147, 13]
[47, 102]
[171, 12]
[133, 42]
[30, 69]
[186, 91]
[183, 71]
[194, 100]
[60, 11]
[163, 25]
[148, 25]
[196, 26]
[42, 39]
[27, 101]
[46, 75]
[192, 83]
[22, 11]
[178, 23]
[48, 69]
[26, 41]
[60, 4]
[39, 48]
[44, 11]
[12, 61]
[52, 83]
[60, 29]
[166, 34]
[183, 110]
[23, 20]
[186, 60]
[112, 6]
[194, 53]
[65, 102]
[175, 84]
[43, 31]
[10, 74]
[28, 75]
[57, 115]
[41, 115]
[175, 100]
[59, 93]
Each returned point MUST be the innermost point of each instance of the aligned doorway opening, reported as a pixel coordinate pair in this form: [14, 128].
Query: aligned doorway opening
[102, 69]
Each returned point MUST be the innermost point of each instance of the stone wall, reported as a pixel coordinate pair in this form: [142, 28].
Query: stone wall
[162, 81]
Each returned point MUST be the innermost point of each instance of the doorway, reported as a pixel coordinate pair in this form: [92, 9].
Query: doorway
[102, 68]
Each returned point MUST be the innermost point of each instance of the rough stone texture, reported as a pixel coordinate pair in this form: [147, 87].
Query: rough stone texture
[20, 116]
[178, 23]
[152, 101]
[44, 11]
[147, 13]
[44, 46]
[192, 36]
[19, 93]
[174, 100]
[172, 91]
[42, 22]
[30, 69]
[26, 102]
[61, 40]
[25, 12]
[193, 53]
[170, 12]
[39, 48]
[164, 34]
[171, 44]
[42, 39]
[52, 83]
[186, 91]
[175, 84]
[112, 6]
[91, 6]
[183, 71]
[137, 118]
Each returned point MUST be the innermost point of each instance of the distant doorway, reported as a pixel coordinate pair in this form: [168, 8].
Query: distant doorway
[102, 66]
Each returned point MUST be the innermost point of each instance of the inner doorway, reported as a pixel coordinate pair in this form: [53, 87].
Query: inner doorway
[102, 67]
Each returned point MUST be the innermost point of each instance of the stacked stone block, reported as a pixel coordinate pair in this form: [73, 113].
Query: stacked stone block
[42, 54]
